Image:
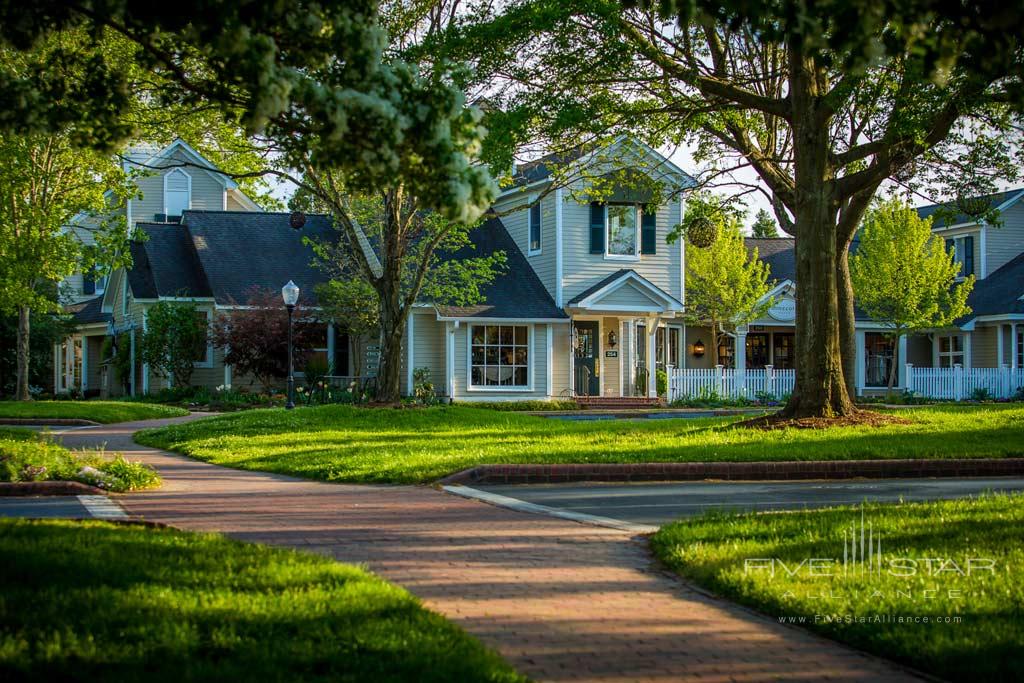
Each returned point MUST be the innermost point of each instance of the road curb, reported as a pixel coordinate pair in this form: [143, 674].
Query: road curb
[737, 471]
[49, 488]
[45, 422]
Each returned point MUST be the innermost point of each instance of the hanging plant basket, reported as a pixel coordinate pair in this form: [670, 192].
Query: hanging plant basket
[702, 232]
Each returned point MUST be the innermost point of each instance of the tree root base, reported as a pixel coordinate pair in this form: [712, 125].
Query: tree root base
[859, 418]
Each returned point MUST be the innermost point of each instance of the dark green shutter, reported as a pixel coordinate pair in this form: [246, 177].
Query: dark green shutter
[968, 258]
[649, 230]
[596, 228]
[88, 282]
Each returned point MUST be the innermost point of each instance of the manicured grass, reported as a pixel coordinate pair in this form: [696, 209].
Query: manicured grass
[735, 555]
[97, 411]
[27, 456]
[344, 443]
[98, 602]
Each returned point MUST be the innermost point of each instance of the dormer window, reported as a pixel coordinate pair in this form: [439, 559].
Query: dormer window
[962, 249]
[177, 193]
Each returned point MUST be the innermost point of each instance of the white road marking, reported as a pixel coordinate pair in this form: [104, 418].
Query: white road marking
[533, 508]
[101, 507]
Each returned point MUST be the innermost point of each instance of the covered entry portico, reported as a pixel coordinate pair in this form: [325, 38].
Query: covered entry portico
[621, 327]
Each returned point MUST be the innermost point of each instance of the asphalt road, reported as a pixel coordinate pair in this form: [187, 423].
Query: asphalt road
[656, 504]
[66, 507]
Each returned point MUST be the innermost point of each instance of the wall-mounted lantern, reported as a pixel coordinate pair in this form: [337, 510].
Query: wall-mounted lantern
[613, 339]
[698, 348]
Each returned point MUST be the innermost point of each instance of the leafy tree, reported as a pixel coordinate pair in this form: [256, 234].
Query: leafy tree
[726, 285]
[255, 339]
[903, 276]
[825, 103]
[47, 329]
[764, 225]
[175, 338]
[353, 306]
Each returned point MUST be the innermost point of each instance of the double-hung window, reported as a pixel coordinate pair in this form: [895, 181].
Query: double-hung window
[951, 350]
[623, 223]
[535, 229]
[499, 357]
[962, 249]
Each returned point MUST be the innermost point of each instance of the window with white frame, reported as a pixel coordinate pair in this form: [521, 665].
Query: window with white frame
[535, 229]
[177, 192]
[951, 350]
[499, 356]
[962, 249]
[623, 228]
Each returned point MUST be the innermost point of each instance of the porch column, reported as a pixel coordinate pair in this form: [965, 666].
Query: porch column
[967, 351]
[741, 360]
[227, 379]
[56, 368]
[131, 355]
[861, 362]
[901, 353]
[410, 354]
[549, 361]
[449, 359]
[652, 366]
[145, 366]
[85, 364]
[1000, 351]
[1014, 346]
[572, 361]
[330, 349]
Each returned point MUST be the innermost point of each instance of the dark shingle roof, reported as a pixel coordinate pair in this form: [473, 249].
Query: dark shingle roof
[224, 254]
[778, 253]
[1000, 292]
[239, 249]
[515, 293]
[89, 311]
[165, 264]
[948, 214]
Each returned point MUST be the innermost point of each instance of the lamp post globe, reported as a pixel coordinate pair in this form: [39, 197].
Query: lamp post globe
[290, 295]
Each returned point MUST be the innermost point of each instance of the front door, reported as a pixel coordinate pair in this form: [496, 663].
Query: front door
[587, 353]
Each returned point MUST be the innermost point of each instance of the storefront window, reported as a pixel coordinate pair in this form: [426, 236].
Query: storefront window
[757, 350]
[783, 355]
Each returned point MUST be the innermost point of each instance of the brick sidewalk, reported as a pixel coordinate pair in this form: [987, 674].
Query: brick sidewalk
[561, 601]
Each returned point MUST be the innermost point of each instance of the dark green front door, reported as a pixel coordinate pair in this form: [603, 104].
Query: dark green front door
[587, 353]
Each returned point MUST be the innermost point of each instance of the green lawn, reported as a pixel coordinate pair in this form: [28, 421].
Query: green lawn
[97, 411]
[98, 602]
[735, 555]
[344, 443]
[26, 456]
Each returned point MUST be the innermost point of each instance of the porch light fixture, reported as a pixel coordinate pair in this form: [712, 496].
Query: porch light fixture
[613, 339]
[290, 294]
[698, 348]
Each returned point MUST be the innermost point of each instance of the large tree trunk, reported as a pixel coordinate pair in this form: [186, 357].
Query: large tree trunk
[21, 387]
[392, 323]
[820, 389]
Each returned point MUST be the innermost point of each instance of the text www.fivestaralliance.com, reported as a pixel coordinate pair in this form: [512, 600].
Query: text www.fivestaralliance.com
[870, 619]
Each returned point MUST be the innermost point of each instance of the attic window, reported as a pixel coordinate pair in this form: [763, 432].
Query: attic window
[177, 194]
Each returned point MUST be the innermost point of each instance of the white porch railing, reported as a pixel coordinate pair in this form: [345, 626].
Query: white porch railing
[726, 383]
[958, 383]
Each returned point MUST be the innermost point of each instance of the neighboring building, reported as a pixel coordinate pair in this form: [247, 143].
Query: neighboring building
[590, 303]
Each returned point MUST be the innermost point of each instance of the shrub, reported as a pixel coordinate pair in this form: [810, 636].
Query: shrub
[661, 379]
[39, 458]
[422, 387]
[981, 394]
[175, 338]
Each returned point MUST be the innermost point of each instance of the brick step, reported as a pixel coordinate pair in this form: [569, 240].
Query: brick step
[617, 402]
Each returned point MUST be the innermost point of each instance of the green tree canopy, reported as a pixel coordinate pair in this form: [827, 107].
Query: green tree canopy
[726, 285]
[175, 339]
[903, 276]
[764, 225]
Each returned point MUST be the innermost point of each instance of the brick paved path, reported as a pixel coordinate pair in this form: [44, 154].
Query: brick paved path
[561, 601]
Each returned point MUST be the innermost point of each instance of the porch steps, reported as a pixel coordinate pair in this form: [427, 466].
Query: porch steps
[618, 402]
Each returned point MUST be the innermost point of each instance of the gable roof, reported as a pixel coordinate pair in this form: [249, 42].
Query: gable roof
[223, 254]
[88, 312]
[625, 275]
[946, 215]
[516, 293]
[1000, 293]
[778, 252]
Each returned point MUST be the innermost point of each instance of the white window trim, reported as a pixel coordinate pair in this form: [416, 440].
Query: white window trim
[530, 361]
[208, 361]
[940, 354]
[187, 177]
[638, 217]
[530, 251]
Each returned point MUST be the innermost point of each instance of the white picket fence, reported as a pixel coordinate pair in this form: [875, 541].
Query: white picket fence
[727, 383]
[958, 383]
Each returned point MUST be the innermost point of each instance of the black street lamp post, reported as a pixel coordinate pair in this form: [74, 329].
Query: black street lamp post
[290, 294]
